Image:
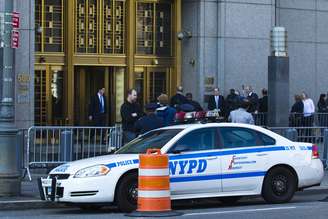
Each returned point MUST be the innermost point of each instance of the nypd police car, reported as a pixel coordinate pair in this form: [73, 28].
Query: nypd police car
[222, 160]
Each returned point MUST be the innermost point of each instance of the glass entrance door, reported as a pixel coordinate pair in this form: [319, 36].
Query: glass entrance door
[88, 81]
[151, 82]
[48, 95]
[40, 97]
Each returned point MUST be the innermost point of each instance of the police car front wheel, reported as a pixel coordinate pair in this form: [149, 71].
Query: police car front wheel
[279, 185]
[127, 193]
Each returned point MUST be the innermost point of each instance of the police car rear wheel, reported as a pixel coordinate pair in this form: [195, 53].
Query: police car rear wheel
[127, 193]
[279, 185]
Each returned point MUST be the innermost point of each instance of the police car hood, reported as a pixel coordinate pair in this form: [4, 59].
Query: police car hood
[108, 160]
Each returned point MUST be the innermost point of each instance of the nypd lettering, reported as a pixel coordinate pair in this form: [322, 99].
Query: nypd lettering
[179, 167]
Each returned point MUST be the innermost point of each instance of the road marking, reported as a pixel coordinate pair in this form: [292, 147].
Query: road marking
[239, 211]
[20, 201]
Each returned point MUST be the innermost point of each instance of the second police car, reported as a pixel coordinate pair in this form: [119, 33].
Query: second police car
[223, 160]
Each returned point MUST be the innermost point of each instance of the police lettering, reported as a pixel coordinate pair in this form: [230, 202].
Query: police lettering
[61, 169]
[124, 163]
[187, 166]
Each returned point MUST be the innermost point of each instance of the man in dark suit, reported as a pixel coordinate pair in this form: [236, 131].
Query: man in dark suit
[263, 102]
[253, 98]
[263, 108]
[97, 108]
[216, 101]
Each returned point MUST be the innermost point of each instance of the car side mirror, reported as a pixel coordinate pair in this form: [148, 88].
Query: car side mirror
[180, 148]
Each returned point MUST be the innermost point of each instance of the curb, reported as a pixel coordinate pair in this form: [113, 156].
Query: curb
[28, 204]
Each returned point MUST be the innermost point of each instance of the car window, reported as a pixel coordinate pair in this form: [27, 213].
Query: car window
[266, 140]
[153, 139]
[201, 139]
[233, 137]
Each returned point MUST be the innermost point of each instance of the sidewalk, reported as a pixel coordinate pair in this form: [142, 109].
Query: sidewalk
[30, 198]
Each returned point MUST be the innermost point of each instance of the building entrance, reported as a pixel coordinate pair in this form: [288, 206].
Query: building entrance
[88, 80]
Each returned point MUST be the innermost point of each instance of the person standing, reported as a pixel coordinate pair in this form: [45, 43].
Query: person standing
[308, 116]
[253, 99]
[130, 113]
[309, 110]
[195, 104]
[232, 101]
[241, 115]
[296, 116]
[165, 111]
[323, 110]
[178, 99]
[97, 108]
[216, 101]
[263, 107]
[148, 122]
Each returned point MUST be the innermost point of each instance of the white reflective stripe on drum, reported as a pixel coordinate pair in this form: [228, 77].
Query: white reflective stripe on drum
[154, 194]
[154, 172]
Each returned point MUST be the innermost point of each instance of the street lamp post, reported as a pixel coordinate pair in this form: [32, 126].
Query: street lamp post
[9, 168]
[278, 79]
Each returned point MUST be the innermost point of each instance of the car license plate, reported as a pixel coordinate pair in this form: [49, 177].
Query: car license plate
[49, 190]
[46, 182]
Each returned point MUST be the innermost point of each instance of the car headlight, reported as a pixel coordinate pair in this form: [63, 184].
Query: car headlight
[98, 170]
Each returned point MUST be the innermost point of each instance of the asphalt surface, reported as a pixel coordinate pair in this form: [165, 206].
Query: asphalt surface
[306, 204]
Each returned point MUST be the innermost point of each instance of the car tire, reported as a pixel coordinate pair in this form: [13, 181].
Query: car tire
[127, 192]
[231, 200]
[279, 185]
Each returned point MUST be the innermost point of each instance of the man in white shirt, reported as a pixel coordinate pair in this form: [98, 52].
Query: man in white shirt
[308, 116]
[241, 115]
[309, 107]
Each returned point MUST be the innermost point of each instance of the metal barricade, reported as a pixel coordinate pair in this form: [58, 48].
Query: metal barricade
[315, 135]
[296, 119]
[49, 146]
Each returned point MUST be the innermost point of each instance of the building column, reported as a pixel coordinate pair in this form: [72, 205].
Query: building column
[177, 44]
[70, 63]
[9, 168]
[131, 24]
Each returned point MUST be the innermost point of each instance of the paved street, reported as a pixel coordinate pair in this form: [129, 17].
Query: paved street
[306, 204]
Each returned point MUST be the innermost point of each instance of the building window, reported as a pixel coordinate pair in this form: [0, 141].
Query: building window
[145, 28]
[163, 29]
[154, 28]
[49, 26]
[86, 26]
[114, 26]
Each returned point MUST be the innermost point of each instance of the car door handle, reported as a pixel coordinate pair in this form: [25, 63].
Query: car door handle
[261, 154]
[212, 158]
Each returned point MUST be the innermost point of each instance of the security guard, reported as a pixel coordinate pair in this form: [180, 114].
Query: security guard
[150, 121]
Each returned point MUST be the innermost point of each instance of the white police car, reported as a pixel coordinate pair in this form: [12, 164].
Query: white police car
[223, 160]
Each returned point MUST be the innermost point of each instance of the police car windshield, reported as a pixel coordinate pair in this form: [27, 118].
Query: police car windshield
[154, 139]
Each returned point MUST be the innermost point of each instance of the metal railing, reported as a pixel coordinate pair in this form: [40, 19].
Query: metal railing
[314, 135]
[48, 146]
[296, 119]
